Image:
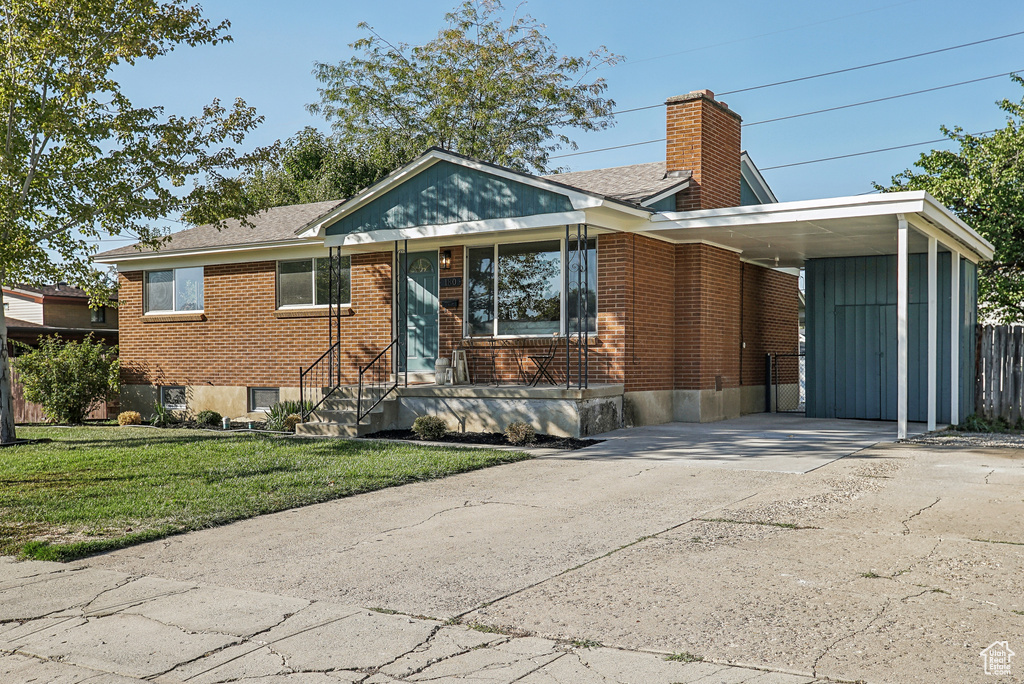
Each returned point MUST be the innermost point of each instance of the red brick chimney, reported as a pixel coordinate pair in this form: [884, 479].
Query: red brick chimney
[704, 138]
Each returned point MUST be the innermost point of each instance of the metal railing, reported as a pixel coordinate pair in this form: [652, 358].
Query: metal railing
[320, 380]
[377, 380]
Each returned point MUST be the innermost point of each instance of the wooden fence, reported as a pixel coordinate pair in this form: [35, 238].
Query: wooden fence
[1000, 381]
[27, 412]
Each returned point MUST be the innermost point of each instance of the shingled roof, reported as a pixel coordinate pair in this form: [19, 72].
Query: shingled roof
[272, 225]
[634, 183]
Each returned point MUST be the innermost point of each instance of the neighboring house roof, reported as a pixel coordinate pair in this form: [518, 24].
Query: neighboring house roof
[58, 290]
[636, 183]
[272, 225]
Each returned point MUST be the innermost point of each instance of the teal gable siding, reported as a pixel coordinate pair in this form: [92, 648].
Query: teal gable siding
[747, 196]
[851, 337]
[664, 204]
[449, 193]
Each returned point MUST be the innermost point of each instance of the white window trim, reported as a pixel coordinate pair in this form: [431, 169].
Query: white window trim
[562, 318]
[292, 307]
[252, 398]
[174, 294]
[173, 407]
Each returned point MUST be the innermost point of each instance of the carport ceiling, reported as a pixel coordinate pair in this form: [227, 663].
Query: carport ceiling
[787, 234]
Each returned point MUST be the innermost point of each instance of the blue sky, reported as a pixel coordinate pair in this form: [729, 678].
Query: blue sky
[670, 48]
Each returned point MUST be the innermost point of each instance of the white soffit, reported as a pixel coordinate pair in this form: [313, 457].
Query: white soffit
[789, 233]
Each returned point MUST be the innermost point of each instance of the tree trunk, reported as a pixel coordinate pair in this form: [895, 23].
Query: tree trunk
[7, 433]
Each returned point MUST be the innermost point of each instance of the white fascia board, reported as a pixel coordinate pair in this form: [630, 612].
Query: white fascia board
[456, 229]
[580, 200]
[230, 254]
[939, 215]
[753, 175]
[805, 210]
[679, 187]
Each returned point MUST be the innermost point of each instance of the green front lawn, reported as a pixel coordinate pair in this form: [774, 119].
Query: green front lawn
[95, 489]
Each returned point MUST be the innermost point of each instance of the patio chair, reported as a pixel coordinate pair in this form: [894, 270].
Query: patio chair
[542, 361]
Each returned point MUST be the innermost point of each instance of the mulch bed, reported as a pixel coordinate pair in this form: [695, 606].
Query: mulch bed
[489, 439]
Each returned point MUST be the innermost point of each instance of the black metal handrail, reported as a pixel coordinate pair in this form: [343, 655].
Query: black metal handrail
[379, 379]
[323, 377]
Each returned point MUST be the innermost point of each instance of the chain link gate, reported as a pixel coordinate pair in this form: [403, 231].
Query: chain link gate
[785, 386]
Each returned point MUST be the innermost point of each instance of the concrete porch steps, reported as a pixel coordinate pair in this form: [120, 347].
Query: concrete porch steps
[336, 417]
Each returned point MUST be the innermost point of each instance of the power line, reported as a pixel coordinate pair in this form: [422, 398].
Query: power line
[880, 99]
[605, 149]
[802, 114]
[873, 64]
[842, 71]
[860, 154]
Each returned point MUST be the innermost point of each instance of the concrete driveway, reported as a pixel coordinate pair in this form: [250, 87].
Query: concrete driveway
[778, 442]
[899, 563]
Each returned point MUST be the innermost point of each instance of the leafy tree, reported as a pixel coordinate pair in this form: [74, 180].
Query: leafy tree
[68, 379]
[491, 90]
[312, 167]
[983, 183]
[78, 160]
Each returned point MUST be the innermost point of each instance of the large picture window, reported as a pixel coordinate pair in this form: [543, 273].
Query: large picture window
[178, 289]
[308, 282]
[516, 289]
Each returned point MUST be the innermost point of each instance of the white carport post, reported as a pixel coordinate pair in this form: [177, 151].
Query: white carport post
[954, 338]
[933, 330]
[902, 344]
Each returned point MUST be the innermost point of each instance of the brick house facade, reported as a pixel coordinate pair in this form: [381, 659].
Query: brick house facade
[682, 326]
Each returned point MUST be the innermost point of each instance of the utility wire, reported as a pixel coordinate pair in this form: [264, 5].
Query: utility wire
[860, 154]
[802, 114]
[880, 99]
[841, 71]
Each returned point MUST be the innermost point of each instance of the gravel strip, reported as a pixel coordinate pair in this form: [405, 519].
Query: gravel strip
[976, 439]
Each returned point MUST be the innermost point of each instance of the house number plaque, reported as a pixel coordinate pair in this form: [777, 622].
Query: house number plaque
[451, 282]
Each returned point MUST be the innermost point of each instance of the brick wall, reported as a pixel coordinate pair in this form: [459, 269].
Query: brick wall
[703, 136]
[241, 342]
[678, 327]
[770, 318]
[707, 298]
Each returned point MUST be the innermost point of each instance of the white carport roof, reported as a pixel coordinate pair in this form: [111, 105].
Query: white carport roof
[788, 233]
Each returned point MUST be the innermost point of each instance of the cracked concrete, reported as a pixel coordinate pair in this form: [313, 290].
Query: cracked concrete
[168, 633]
[897, 564]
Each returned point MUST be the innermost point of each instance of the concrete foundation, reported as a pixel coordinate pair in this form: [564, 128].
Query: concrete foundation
[232, 402]
[552, 411]
[682, 406]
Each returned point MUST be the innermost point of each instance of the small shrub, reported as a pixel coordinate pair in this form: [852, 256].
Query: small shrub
[68, 378]
[162, 416]
[280, 411]
[291, 421]
[430, 428]
[519, 433]
[208, 418]
[129, 418]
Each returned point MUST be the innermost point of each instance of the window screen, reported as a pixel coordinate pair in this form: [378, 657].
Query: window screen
[160, 291]
[262, 398]
[173, 397]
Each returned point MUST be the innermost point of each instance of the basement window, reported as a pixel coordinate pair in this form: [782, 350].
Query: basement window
[262, 398]
[177, 289]
[173, 397]
[309, 282]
